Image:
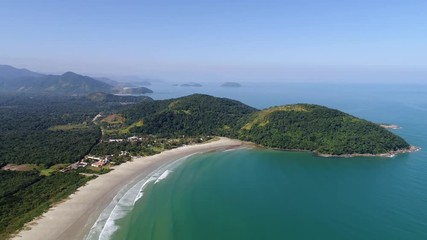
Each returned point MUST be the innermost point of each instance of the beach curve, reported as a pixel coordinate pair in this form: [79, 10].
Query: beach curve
[73, 218]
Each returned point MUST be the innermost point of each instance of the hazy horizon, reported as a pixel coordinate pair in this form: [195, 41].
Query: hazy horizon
[244, 41]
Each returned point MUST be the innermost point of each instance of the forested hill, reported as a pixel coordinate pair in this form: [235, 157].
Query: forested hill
[299, 127]
[320, 129]
[196, 114]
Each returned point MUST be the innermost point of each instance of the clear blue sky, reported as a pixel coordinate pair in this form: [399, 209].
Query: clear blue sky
[216, 39]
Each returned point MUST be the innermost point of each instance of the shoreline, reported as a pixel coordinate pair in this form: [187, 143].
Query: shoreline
[387, 154]
[74, 217]
[390, 126]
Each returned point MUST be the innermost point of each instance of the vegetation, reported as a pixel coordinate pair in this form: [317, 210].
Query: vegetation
[320, 129]
[49, 129]
[194, 115]
[43, 130]
[26, 195]
[299, 127]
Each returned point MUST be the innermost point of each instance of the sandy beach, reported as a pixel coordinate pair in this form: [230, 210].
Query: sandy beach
[72, 218]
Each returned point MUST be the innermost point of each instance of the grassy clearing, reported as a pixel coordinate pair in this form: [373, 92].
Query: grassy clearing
[126, 130]
[48, 171]
[113, 119]
[261, 118]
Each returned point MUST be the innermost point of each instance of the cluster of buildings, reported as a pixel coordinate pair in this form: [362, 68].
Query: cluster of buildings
[92, 160]
[129, 139]
[97, 161]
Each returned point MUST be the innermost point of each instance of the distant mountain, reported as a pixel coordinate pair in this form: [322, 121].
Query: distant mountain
[143, 83]
[9, 72]
[108, 81]
[136, 81]
[13, 80]
[122, 84]
[111, 98]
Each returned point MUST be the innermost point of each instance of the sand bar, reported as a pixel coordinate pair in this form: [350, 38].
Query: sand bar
[73, 218]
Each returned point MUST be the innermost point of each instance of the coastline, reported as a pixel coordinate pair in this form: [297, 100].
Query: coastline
[73, 218]
[387, 154]
[390, 126]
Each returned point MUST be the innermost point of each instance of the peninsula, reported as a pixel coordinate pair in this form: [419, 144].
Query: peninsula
[301, 127]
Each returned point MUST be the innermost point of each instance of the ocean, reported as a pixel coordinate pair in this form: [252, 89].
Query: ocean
[267, 194]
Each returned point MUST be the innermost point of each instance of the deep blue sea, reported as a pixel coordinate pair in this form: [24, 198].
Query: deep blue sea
[266, 194]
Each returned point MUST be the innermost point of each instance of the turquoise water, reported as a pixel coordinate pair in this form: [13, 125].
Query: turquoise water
[265, 194]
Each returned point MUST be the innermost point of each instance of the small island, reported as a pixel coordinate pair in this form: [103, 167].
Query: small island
[192, 84]
[231, 85]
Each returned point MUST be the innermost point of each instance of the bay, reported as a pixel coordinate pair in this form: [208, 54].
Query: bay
[265, 194]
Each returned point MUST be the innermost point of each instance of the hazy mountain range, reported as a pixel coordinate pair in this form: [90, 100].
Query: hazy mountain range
[14, 80]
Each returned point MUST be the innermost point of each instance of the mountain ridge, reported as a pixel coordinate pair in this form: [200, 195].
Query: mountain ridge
[23, 81]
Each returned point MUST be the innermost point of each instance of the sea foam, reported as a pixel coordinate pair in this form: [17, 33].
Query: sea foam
[163, 176]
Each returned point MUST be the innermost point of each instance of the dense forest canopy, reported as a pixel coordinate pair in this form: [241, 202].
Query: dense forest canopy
[320, 129]
[49, 129]
[192, 115]
[25, 195]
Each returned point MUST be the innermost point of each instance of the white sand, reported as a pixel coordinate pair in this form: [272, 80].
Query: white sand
[73, 218]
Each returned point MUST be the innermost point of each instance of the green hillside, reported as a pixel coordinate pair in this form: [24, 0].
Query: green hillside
[320, 129]
[196, 114]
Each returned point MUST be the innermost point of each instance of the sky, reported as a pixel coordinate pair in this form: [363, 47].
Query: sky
[216, 40]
